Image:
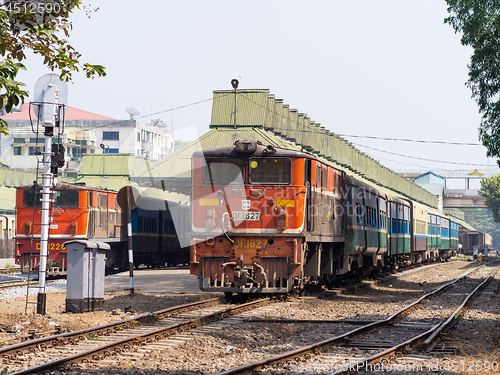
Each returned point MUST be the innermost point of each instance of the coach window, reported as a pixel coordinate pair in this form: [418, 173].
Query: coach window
[223, 171]
[270, 171]
[359, 214]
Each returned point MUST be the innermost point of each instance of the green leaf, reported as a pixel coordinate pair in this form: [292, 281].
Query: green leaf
[22, 32]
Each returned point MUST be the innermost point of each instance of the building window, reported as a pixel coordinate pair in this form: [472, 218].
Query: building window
[33, 149]
[138, 136]
[84, 150]
[19, 140]
[112, 151]
[113, 136]
[18, 150]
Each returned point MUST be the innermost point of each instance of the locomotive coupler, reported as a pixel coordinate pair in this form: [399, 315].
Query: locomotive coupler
[240, 278]
[244, 275]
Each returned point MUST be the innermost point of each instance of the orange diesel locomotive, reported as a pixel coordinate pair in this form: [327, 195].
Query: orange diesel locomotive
[251, 208]
[77, 212]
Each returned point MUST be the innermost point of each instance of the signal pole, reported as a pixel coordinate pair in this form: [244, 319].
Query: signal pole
[50, 97]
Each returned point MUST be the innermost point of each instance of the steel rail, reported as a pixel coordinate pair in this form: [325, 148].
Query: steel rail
[314, 348]
[431, 333]
[10, 270]
[19, 283]
[43, 343]
[431, 341]
[116, 347]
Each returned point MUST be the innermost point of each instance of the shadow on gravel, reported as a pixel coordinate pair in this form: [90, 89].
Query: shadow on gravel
[143, 303]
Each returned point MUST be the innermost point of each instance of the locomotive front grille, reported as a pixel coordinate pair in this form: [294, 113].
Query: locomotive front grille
[211, 272]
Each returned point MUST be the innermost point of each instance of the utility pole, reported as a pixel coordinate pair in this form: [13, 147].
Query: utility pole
[50, 98]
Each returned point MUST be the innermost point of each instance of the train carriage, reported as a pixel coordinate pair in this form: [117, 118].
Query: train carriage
[366, 235]
[473, 238]
[159, 229]
[399, 226]
[454, 235]
[434, 235]
[419, 231]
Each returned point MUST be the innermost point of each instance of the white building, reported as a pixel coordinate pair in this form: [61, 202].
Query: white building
[135, 137]
[84, 133]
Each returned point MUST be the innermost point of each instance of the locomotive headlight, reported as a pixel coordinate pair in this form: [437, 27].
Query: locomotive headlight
[210, 218]
[246, 147]
[73, 227]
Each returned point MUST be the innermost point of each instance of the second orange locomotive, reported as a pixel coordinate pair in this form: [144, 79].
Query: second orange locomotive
[77, 212]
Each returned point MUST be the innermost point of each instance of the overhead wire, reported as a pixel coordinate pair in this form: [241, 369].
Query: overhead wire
[410, 140]
[418, 158]
[382, 138]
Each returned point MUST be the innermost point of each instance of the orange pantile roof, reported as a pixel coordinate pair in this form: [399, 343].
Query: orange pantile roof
[71, 114]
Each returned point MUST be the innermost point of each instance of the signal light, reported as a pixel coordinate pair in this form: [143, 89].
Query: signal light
[57, 160]
[73, 227]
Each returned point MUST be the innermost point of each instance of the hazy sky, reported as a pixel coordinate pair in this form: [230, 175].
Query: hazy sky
[387, 68]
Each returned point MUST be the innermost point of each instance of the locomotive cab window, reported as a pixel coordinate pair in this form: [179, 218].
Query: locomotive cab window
[223, 171]
[66, 198]
[270, 171]
[63, 198]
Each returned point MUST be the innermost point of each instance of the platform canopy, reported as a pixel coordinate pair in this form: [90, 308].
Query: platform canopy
[258, 115]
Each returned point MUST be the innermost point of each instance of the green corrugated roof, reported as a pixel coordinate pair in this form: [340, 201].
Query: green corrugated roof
[7, 199]
[250, 108]
[178, 165]
[114, 164]
[20, 177]
[259, 109]
[105, 182]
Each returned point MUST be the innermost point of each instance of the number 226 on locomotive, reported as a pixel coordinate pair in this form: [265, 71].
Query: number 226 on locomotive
[255, 213]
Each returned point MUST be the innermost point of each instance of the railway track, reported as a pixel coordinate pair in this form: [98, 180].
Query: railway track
[118, 341]
[19, 283]
[10, 270]
[382, 342]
